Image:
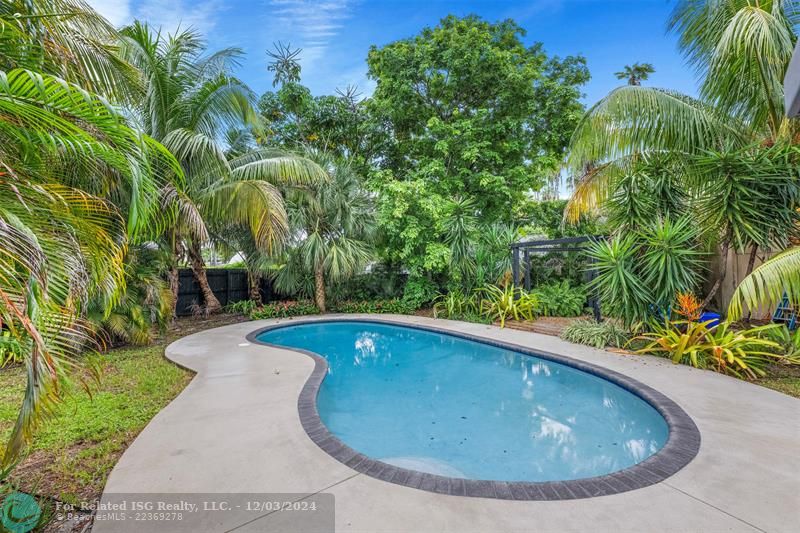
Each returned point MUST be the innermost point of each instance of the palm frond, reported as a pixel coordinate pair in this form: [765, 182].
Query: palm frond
[766, 285]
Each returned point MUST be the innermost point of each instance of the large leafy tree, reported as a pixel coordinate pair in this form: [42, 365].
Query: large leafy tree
[471, 112]
[741, 51]
[340, 124]
[191, 103]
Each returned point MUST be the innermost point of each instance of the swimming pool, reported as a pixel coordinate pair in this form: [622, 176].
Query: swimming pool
[433, 402]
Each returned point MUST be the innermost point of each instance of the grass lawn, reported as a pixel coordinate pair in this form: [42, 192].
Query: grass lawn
[73, 452]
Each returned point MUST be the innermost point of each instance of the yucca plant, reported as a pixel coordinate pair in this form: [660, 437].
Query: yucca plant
[741, 50]
[619, 283]
[671, 261]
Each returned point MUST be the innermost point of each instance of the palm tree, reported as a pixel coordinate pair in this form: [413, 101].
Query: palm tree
[741, 51]
[636, 73]
[68, 157]
[333, 227]
[191, 102]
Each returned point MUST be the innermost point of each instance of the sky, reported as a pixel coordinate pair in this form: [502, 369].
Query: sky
[336, 35]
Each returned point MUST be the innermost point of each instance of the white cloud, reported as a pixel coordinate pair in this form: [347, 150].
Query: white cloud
[308, 24]
[171, 15]
[118, 12]
[166, 14]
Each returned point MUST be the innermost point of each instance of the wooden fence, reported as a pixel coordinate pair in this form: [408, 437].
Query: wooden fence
[228, 284]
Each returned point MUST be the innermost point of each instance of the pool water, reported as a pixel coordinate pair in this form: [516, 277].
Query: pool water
[445, 405]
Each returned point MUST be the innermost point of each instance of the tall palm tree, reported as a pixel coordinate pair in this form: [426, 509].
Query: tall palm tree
[636, 73]
[67, 157]
[333, 226]
[191, 102]
[740, 50]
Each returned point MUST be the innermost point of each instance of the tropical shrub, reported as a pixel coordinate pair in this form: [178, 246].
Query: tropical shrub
[740, 353]
[242, 307]
[596, 334]
[455, 304]
[394, 306]
[419, 291]
[11, 351]
[502, 303]
[788, 341]
[380, 283]
[560, 299]
[285, 310]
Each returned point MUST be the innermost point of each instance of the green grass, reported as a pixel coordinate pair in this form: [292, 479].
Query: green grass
[786, 385]
[73, 452]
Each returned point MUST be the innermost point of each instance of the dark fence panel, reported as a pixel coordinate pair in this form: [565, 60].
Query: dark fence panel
[228, 284]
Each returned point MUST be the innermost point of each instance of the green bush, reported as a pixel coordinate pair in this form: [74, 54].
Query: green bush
[419, 292]
[596, 334]
[10, 350]
[379, 284]
[395, 306]
[285, 310]
[560, 299]
[243, 307]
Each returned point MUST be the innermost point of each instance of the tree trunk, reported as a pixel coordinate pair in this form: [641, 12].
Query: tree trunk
[174, 285]
[173, 276]
[319, 290]
[199, 270]
[750, 264]
[752, 261]
[255, 287]
[723, 270]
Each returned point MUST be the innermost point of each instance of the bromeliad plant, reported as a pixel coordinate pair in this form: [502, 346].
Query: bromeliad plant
[740, 353]
[502, 303]
[456, 304]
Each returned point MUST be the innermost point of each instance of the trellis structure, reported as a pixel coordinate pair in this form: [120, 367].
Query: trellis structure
[523, 251]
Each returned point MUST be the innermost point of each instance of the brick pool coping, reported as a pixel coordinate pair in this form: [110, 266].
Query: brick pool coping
[681, 447]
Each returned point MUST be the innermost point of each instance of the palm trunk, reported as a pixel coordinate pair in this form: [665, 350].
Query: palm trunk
[255, 287]
[199, 270]
[173, 276]
[174, 286]
[723, 271]
[752, 261]
[319, 290]
[750, 264]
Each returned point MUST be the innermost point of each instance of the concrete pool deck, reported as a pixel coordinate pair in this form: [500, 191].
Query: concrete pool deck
[236, 429]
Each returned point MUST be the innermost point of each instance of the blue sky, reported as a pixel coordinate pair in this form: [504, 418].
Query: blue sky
[336, 34]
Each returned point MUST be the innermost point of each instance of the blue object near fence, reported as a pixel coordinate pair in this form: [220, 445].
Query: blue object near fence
[785, 313]
[712, 317]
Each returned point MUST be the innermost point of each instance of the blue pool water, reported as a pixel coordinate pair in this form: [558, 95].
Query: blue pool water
[445, 405]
